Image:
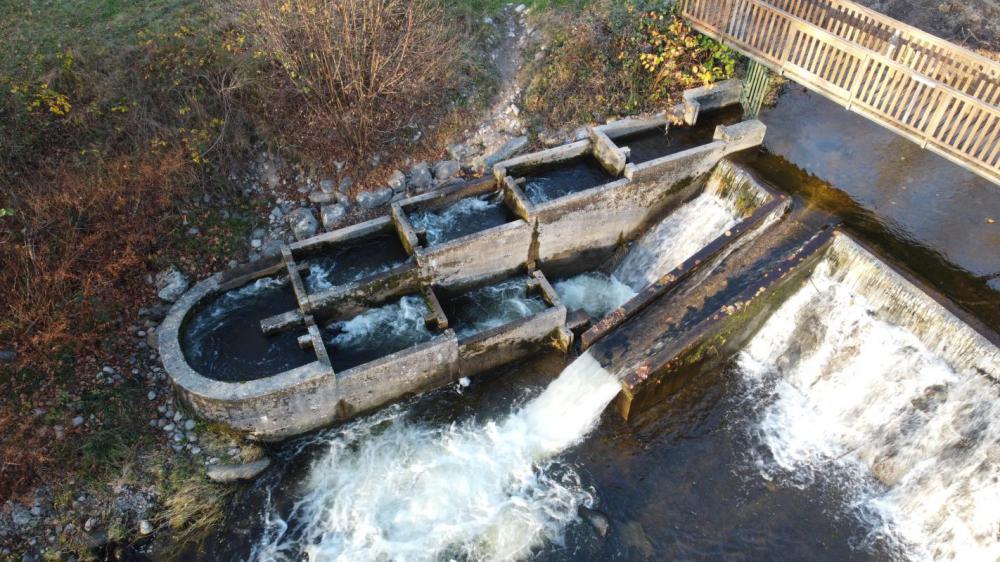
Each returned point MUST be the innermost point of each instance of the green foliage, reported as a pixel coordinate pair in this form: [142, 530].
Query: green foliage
[615, 58]
[678, 57]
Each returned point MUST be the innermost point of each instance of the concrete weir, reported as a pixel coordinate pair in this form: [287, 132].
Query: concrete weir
[707, 322]
[499, 235]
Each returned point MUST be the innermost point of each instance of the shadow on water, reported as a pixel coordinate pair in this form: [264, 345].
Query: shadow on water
[926, 213]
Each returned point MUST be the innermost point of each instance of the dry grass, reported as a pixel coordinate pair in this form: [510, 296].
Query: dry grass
[359, 68]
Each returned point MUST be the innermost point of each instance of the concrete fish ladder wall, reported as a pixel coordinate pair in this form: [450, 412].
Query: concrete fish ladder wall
[314, 395]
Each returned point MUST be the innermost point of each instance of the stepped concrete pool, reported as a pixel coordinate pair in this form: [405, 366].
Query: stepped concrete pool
[721, 317]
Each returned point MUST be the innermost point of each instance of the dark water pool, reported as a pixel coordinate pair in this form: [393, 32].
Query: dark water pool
[551, 181]
[223, 340]
[652, 144]
[467, 216]
[354, 260]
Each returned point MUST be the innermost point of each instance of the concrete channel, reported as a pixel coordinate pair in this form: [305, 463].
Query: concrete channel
[522, 231]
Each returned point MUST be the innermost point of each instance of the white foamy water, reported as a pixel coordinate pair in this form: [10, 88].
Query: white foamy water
[595, 293]
[438, 224]
[402, 320]
[495, 305]
[389, 489]
[864, 403]
[678, 237]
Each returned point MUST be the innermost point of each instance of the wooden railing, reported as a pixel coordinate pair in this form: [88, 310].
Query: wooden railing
[935, 93]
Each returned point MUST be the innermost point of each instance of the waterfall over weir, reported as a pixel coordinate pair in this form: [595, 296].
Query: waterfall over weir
[910, 429]
[387, 489]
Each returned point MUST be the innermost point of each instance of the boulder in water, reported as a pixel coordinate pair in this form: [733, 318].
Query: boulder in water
[597, 520]
[171, 284]
[227, 473]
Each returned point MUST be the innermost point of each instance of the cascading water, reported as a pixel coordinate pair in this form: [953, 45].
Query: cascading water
[676, 238]
[388, 489]
[593, 292]
[914, 438]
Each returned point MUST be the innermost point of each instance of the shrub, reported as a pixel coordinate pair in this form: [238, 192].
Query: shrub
[358, 68]
[614, 58]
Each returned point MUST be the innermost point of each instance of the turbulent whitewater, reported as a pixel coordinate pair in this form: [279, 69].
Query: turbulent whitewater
[678, 237]
[853, 397]
[390, 489]
[667, 245]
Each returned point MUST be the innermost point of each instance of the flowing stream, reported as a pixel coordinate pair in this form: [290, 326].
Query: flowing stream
[914, 442]
[389, 489]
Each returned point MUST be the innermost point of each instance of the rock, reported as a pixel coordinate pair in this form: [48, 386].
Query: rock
[256, 243]
[323, 198]
[446, 169]
[169, 427]
[509, 148]
[152, 339]
[151, 395]
[459, 151]
[326, 186]
[303, 223]
[89, 524]
[345, 184]
[420, 176]
[332, 216]
[170, 284]
[994, 283]
[397, 181]
[145, 527]
[375, 199]
[7, 356]
[225, 473]
[20, 516]
[189, 425]
[271, 248]
[597, 520]
[78, 421]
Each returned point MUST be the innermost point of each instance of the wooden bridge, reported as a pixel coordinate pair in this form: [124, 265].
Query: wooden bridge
[937, 94]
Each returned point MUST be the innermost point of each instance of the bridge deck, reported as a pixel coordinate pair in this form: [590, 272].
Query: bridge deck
[937, 94]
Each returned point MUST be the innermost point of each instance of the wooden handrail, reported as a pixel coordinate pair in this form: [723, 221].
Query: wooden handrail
[945, 100]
